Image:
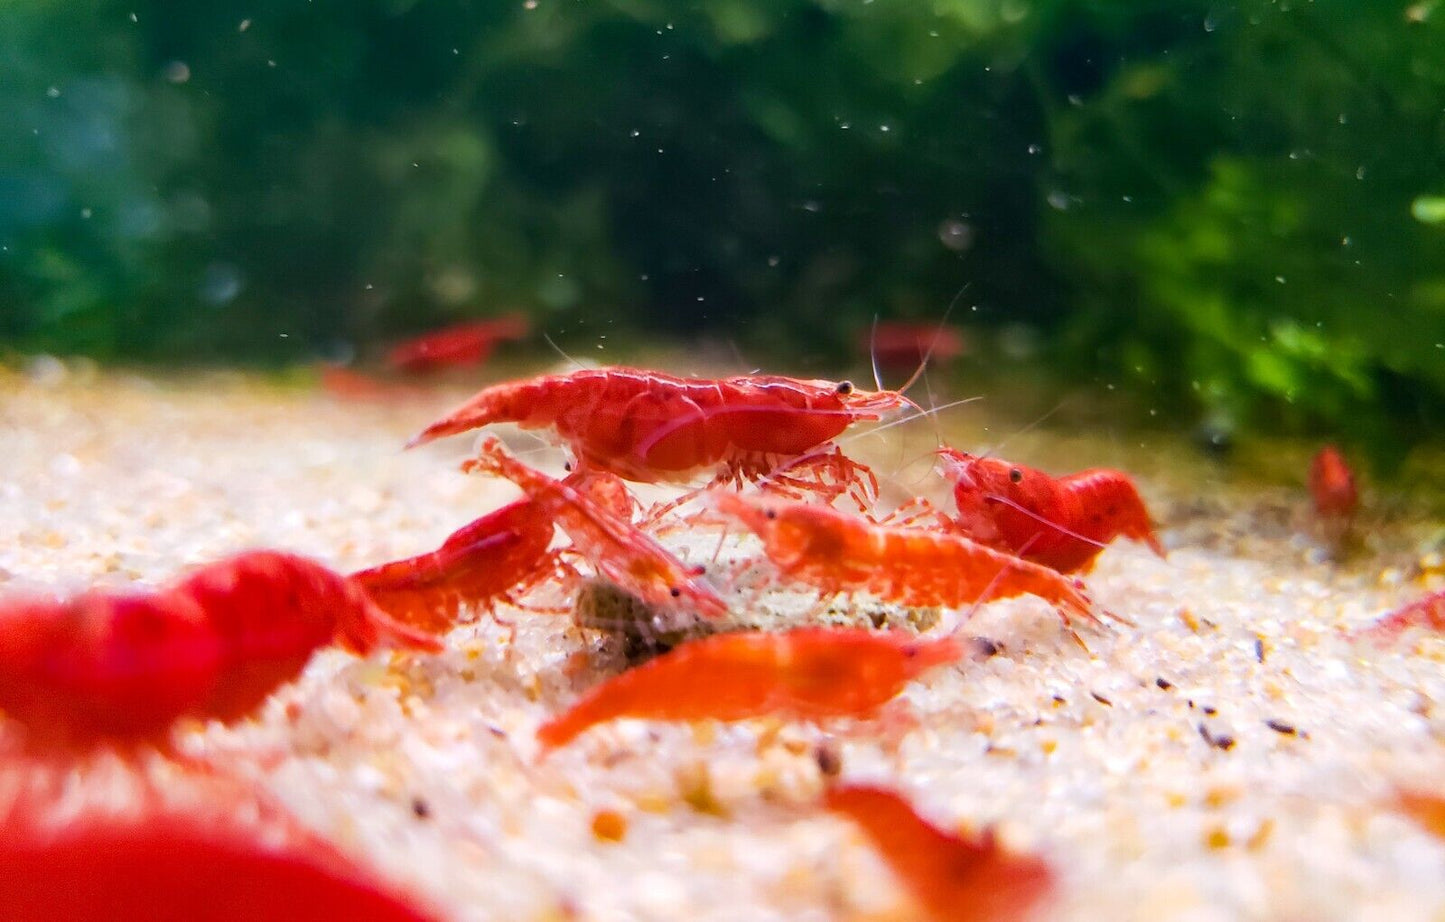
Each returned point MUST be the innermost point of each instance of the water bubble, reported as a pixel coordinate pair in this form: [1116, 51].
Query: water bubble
[1058, 200]
[220, 283]
[956, 235]
[177, 72]
[245, 24]
[1035, 148]
[53, 92]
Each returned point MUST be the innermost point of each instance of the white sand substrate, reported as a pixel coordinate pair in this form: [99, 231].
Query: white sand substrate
[1228, 755]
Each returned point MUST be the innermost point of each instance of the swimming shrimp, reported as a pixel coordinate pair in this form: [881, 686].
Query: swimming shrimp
[647, 426]
[954, 878]
[812, 673]
[1062, 522]
[461, 344]
[840, 553]
[618, 549]
[123, 668]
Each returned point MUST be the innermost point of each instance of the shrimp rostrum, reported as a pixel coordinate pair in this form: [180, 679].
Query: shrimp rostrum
[650, 427]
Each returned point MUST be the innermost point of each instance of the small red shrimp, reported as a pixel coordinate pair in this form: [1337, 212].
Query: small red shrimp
[461, 344]
[123, 668]
[840, 553]
[1427, 612]
[495, 559]
[610, 542]
[1062, 523]
[1332, 486]
[165, 864]
[647, 426]
[954, 878]
[812, 673]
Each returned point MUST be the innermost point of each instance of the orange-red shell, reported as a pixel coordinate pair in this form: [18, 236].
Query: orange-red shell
[812, 673]
[954, 878]
[647, 426]
[1063, 523]
[836, 552]
[125, 667]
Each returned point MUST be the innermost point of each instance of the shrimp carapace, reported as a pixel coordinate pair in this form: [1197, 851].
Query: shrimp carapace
[840, 553]
[953, 878]
[647, 426]
[812, 673]
[1062, 522]
[619, 550]
[123, 668]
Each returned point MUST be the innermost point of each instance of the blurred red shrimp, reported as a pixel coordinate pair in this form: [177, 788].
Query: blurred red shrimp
[647, 426]
[902, 344]
[1336, 498]
[1427, 612]
[813, 673]
[1332, 485]
[219, 860]
[1059, 522]
[840, 553]
[954, 878]
[610, 542]
[1425, 808]
[457, 345]
[123, 668]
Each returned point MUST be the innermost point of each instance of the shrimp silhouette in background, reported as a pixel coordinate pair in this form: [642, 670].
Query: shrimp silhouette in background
[122, 668]
[953, 878]
[1336, 498]
[457, 346]
[900, 344]
[1063, 523]
[813, 673]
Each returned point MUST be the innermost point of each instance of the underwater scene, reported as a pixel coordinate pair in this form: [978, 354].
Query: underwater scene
[861, 460]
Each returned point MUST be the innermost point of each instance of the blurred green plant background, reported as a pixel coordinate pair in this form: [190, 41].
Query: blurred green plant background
[1237, 208]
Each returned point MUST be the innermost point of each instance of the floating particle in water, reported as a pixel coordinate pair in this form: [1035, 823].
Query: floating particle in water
[956, 235]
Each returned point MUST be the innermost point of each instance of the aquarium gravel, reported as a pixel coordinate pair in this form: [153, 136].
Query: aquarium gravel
[1228, 754]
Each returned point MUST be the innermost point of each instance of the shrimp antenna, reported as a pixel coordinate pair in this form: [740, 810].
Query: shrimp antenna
[873, 353]
[1038, 518]
[933, 342]
[558, 349]
[993, 449]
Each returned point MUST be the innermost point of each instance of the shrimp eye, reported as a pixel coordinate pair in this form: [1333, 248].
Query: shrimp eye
[676, 592]
[844, 388]
[769, 514]
[1015, 475]
[567, 466]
